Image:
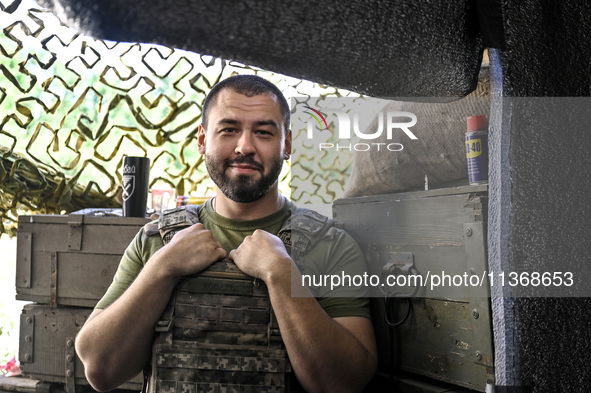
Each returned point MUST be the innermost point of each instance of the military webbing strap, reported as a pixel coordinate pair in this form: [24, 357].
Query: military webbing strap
[300, 232]
[303, 230]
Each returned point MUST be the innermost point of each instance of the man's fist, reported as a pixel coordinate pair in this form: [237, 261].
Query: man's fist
[261, 255]
[190, 251]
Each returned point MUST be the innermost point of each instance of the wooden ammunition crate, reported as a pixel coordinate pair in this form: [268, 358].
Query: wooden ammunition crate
[46, 346]
[70, 259]
[448, 332]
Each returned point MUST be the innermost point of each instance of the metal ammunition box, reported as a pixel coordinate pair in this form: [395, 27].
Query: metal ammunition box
[65, 261]
[46, 346]
[70, 260]
[447, 334]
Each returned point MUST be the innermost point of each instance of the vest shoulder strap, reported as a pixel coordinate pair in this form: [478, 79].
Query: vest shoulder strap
[300, 232]
[303, 230]
[172, 221]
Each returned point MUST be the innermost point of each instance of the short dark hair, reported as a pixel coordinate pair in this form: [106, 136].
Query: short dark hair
[250, 86]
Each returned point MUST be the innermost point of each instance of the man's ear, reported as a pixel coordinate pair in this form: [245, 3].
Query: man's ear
[201, 139]
[287, 149]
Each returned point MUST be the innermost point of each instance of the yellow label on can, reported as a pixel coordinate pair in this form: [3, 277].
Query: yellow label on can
[473, 148]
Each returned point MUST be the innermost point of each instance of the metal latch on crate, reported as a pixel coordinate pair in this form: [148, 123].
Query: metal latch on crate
[397, 293]
[27, 334]
[70, 366]
[392, 264]
[400, 263]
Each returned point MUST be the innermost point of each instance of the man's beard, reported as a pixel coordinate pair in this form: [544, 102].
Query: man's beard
[243, 188]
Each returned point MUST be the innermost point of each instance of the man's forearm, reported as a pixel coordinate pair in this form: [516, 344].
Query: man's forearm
[115, 343]
[326, 354]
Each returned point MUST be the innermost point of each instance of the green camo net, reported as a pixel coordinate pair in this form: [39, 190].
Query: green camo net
[71, 106]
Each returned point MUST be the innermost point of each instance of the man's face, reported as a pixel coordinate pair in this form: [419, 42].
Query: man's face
[244, 144]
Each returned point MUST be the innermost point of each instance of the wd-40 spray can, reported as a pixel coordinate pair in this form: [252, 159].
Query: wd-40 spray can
[477, 149]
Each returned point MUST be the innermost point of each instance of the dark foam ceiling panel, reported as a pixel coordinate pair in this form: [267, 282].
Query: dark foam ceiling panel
[382, 48]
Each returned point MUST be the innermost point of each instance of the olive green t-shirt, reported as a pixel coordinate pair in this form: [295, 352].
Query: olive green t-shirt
[338, 256]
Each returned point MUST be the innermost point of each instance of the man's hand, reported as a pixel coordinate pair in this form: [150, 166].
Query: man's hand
[327, 355]
[261, 255]
[190, 251]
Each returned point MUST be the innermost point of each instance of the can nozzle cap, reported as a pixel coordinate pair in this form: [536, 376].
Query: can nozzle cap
[476, 123]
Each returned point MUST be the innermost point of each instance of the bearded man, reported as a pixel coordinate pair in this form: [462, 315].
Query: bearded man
[329, 340]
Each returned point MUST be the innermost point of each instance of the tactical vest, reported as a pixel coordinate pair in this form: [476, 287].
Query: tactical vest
[218, 332]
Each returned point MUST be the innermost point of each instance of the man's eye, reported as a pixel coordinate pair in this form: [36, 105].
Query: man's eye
[229, 130]
[264, 132]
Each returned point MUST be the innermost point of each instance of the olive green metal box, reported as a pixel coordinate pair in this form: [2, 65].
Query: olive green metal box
[70, 260]
[46, 346]
[65, 263]
[444, 331]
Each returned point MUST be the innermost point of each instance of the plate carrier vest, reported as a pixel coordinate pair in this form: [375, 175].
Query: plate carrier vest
[218, 332]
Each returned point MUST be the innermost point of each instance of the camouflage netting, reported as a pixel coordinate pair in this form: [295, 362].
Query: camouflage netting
[72, 106]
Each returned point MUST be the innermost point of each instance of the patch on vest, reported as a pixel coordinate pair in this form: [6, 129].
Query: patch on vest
[301, 243]
[173, 217]
[285, 237]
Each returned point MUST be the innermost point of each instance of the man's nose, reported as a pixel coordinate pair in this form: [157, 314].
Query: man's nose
[245, 145]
